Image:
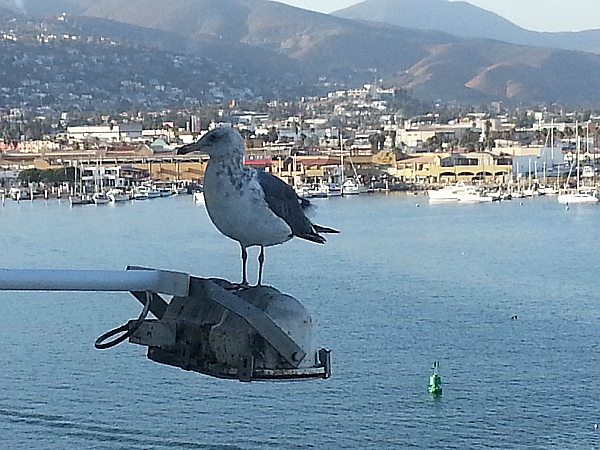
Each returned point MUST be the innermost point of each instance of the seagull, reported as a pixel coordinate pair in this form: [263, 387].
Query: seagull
[247, 205]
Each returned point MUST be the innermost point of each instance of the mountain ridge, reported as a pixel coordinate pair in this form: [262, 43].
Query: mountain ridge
[273, 40]
[465, 20]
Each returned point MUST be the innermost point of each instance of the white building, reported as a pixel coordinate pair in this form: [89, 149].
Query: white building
[37, 146]
[536, 161]
[106, 133]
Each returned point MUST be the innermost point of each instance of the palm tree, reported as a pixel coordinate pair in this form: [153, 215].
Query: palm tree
[381, 141]
[393, 135]
[373, 140]
[272, 135]
[568, 132]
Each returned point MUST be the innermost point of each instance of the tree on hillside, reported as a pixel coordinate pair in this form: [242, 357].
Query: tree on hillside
[373, 140]
[470, 140]
[273, 135]
[433, 143]
[569, 132]
[488, 138]
[393, 136]
[48, 176]
[377, 141]
[30, 175]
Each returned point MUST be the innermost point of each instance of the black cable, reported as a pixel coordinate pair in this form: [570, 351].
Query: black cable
[125, 329]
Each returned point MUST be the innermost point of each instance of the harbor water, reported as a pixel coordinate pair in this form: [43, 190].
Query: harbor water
[506, 296]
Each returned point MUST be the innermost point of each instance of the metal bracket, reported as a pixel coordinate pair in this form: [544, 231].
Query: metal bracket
[266, 336]
[259, 320]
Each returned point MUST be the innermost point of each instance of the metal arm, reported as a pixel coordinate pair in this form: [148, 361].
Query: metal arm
[134, 280]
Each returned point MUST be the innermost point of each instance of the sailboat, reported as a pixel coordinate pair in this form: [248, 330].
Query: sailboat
[577, 196]
[350, 185]
[545, 189]
[80, 198]
[99, 197]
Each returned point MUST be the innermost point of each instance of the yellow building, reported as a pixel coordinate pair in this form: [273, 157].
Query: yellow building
[454, 167]
[325, 167]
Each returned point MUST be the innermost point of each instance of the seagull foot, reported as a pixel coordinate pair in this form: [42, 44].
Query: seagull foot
[238, 287]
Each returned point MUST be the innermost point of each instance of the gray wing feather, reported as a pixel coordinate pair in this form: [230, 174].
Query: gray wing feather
[285, 203]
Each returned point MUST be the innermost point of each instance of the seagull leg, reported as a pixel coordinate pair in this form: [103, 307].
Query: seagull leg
[244, 263]
[261, 261]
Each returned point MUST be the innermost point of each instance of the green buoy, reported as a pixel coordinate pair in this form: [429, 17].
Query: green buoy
[435, 381]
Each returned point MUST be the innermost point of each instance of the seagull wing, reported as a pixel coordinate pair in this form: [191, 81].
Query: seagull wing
[285, 203]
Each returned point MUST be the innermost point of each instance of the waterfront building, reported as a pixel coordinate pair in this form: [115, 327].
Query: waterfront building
[36, 146]
[106, 133]
[8, 176]
[533, 161]
[448, 168]
[316, 168]
[165, 167]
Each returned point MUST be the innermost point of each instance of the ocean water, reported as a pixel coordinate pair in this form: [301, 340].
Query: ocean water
[405, 284]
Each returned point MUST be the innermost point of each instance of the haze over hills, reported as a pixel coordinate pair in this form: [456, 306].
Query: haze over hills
[269, 40]
[6, 13]
[342, 50]
[465, 20]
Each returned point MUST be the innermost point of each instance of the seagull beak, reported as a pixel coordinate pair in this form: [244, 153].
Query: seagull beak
[184, 150]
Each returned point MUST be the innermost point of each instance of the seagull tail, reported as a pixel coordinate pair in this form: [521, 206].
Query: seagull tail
[321, 229]
[312, 237]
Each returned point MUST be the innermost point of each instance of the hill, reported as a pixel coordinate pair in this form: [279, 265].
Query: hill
[322, 45]
[493, 70]
[276, 45]
[53, 66]
[465, 20]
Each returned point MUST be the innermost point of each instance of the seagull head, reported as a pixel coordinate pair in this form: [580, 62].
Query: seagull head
[223, 142]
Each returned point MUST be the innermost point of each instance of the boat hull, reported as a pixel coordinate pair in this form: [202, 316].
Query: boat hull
[568, 199]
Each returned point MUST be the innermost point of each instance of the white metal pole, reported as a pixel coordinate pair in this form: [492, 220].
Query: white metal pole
[172, 283]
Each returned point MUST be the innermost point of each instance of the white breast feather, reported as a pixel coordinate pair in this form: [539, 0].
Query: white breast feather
[241, 214]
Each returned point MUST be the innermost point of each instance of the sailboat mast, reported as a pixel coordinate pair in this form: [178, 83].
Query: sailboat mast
[587, 138]
[578, 145]
[552, 140]
[342, 157]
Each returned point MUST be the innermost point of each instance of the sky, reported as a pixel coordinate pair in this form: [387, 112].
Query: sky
[537, 15]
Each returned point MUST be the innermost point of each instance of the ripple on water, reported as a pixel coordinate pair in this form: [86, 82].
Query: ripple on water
[399, 288]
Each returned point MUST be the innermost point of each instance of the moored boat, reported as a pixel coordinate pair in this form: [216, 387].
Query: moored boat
[80, 199]
[198, 197]
[474, 197]
[117, 196]
[447, 194]
[303, 191]
[460, 193]
[145, 192]
[352, 187]
[100, 198]
[19, 193]
[576, 197]
[152, 192]
[333, 190]
[443, 195]
[546, 190]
